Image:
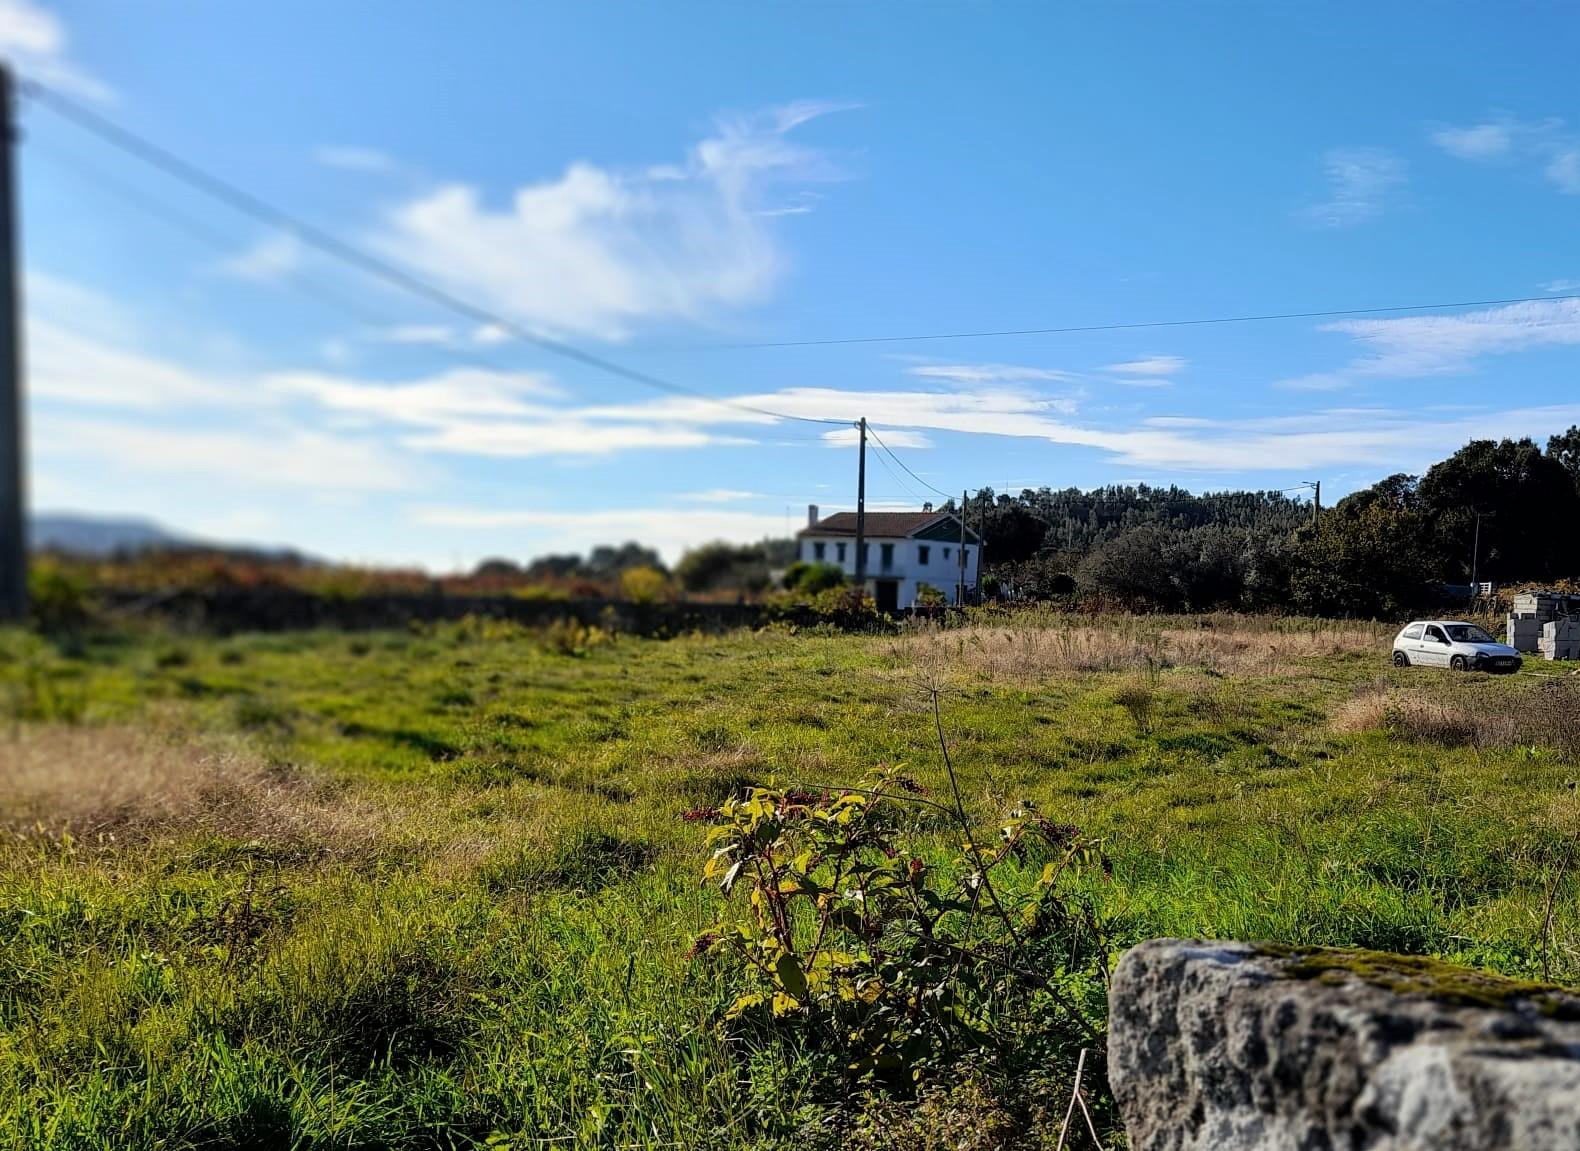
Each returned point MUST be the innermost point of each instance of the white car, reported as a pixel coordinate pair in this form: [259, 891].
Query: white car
[1452, 643]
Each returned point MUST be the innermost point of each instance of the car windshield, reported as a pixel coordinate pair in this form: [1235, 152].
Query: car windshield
[1466, 633]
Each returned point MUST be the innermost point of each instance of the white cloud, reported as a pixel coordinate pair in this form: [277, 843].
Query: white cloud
[597, 251]
[451, 397]
[272, 258]
[72, 368]
[719, 496]
[1491, 141]
[34, 40]
[352, 159]
[670, 530]
[1316, 382]
[1547, 144]
[990, 373]
[1361, 184]
[1563, 170]
[1150, 366]
[893, 437]
[1560, 287]
[438, 335]
[1149, 371]
[261, 457]
[1433, 345]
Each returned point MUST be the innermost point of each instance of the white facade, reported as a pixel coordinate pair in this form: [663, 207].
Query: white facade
[904, 563]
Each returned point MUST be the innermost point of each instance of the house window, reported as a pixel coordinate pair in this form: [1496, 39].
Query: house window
[839, 551]
[946, 553]
[887, 552]
[818, 549]
[965, 557]
[866, 554]
[921, 553]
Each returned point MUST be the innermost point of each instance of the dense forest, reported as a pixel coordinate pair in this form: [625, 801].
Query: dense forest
[1505, 511]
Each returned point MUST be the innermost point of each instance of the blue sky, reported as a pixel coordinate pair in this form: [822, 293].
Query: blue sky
[654, 183]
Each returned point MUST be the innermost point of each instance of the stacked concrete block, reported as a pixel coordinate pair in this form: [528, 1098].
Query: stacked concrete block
[1561, 639]
[1545, 623]
[1524, 632]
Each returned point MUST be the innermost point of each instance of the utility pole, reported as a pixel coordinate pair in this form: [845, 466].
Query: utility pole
[1316, 499]
[960, 593]
[13, 551]
[861, 508]
[1475, 555]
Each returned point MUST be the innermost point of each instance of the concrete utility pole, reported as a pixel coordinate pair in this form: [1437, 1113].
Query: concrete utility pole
[13, 548]
[1475, 555]
[861, 507]
[960, 593]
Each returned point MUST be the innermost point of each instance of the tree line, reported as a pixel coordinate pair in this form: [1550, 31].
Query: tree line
[1497, 510]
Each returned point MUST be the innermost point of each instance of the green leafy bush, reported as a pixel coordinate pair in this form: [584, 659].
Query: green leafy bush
[851, 937]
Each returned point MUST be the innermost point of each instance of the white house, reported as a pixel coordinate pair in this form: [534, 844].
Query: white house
[905, 550]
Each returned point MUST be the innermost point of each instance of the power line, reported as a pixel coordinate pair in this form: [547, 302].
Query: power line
[248, 204]
[186, 224]
[890, 452]
[910, 491]
[1137, 325]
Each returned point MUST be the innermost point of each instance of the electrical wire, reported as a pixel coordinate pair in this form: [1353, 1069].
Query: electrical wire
[189, 226]
[910, 491]
[1135, 325]
[248, 204]
[871, 431]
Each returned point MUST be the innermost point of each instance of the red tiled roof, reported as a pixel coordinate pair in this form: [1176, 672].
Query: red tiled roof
[880, 525]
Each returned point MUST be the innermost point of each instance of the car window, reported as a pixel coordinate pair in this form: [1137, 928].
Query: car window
[1467, 633]
[1435, 632]
[1413, 631]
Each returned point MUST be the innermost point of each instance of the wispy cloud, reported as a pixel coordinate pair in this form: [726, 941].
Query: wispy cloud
[34, 40]
[893, 437]
[1549, 146]
[271, 258]
[1316, 382]
[1362, 182]
[351, 159]
[245, 459]
[1480, 142]
[1559, 287]
[719, 496]
[990, 373]
[597, 251]
[1148, 372]
[1433, 345]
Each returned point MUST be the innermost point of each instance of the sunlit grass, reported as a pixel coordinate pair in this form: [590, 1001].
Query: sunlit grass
[420, 888]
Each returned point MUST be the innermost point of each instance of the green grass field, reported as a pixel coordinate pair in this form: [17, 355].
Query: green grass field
[433, 888]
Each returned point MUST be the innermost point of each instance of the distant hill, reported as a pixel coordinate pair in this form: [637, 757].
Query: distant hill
[99, 537]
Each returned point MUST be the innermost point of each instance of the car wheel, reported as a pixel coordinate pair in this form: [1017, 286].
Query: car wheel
[1458, 663]
[1400, 659]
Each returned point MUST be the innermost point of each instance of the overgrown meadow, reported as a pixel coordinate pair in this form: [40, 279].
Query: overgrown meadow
[444, 887]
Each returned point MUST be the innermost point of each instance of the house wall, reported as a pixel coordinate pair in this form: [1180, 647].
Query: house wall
[941, 570]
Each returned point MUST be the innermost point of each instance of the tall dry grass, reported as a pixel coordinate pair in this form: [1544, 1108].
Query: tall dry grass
[1037, 646]
[105, 785]
[1545, 713]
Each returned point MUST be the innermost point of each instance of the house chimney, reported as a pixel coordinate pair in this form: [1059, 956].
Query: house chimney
[811, 515]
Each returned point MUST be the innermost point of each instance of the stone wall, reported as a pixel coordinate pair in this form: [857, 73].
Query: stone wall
[285, 609]
[1231, 1047]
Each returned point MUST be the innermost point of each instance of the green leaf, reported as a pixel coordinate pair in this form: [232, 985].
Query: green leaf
[788, 968]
